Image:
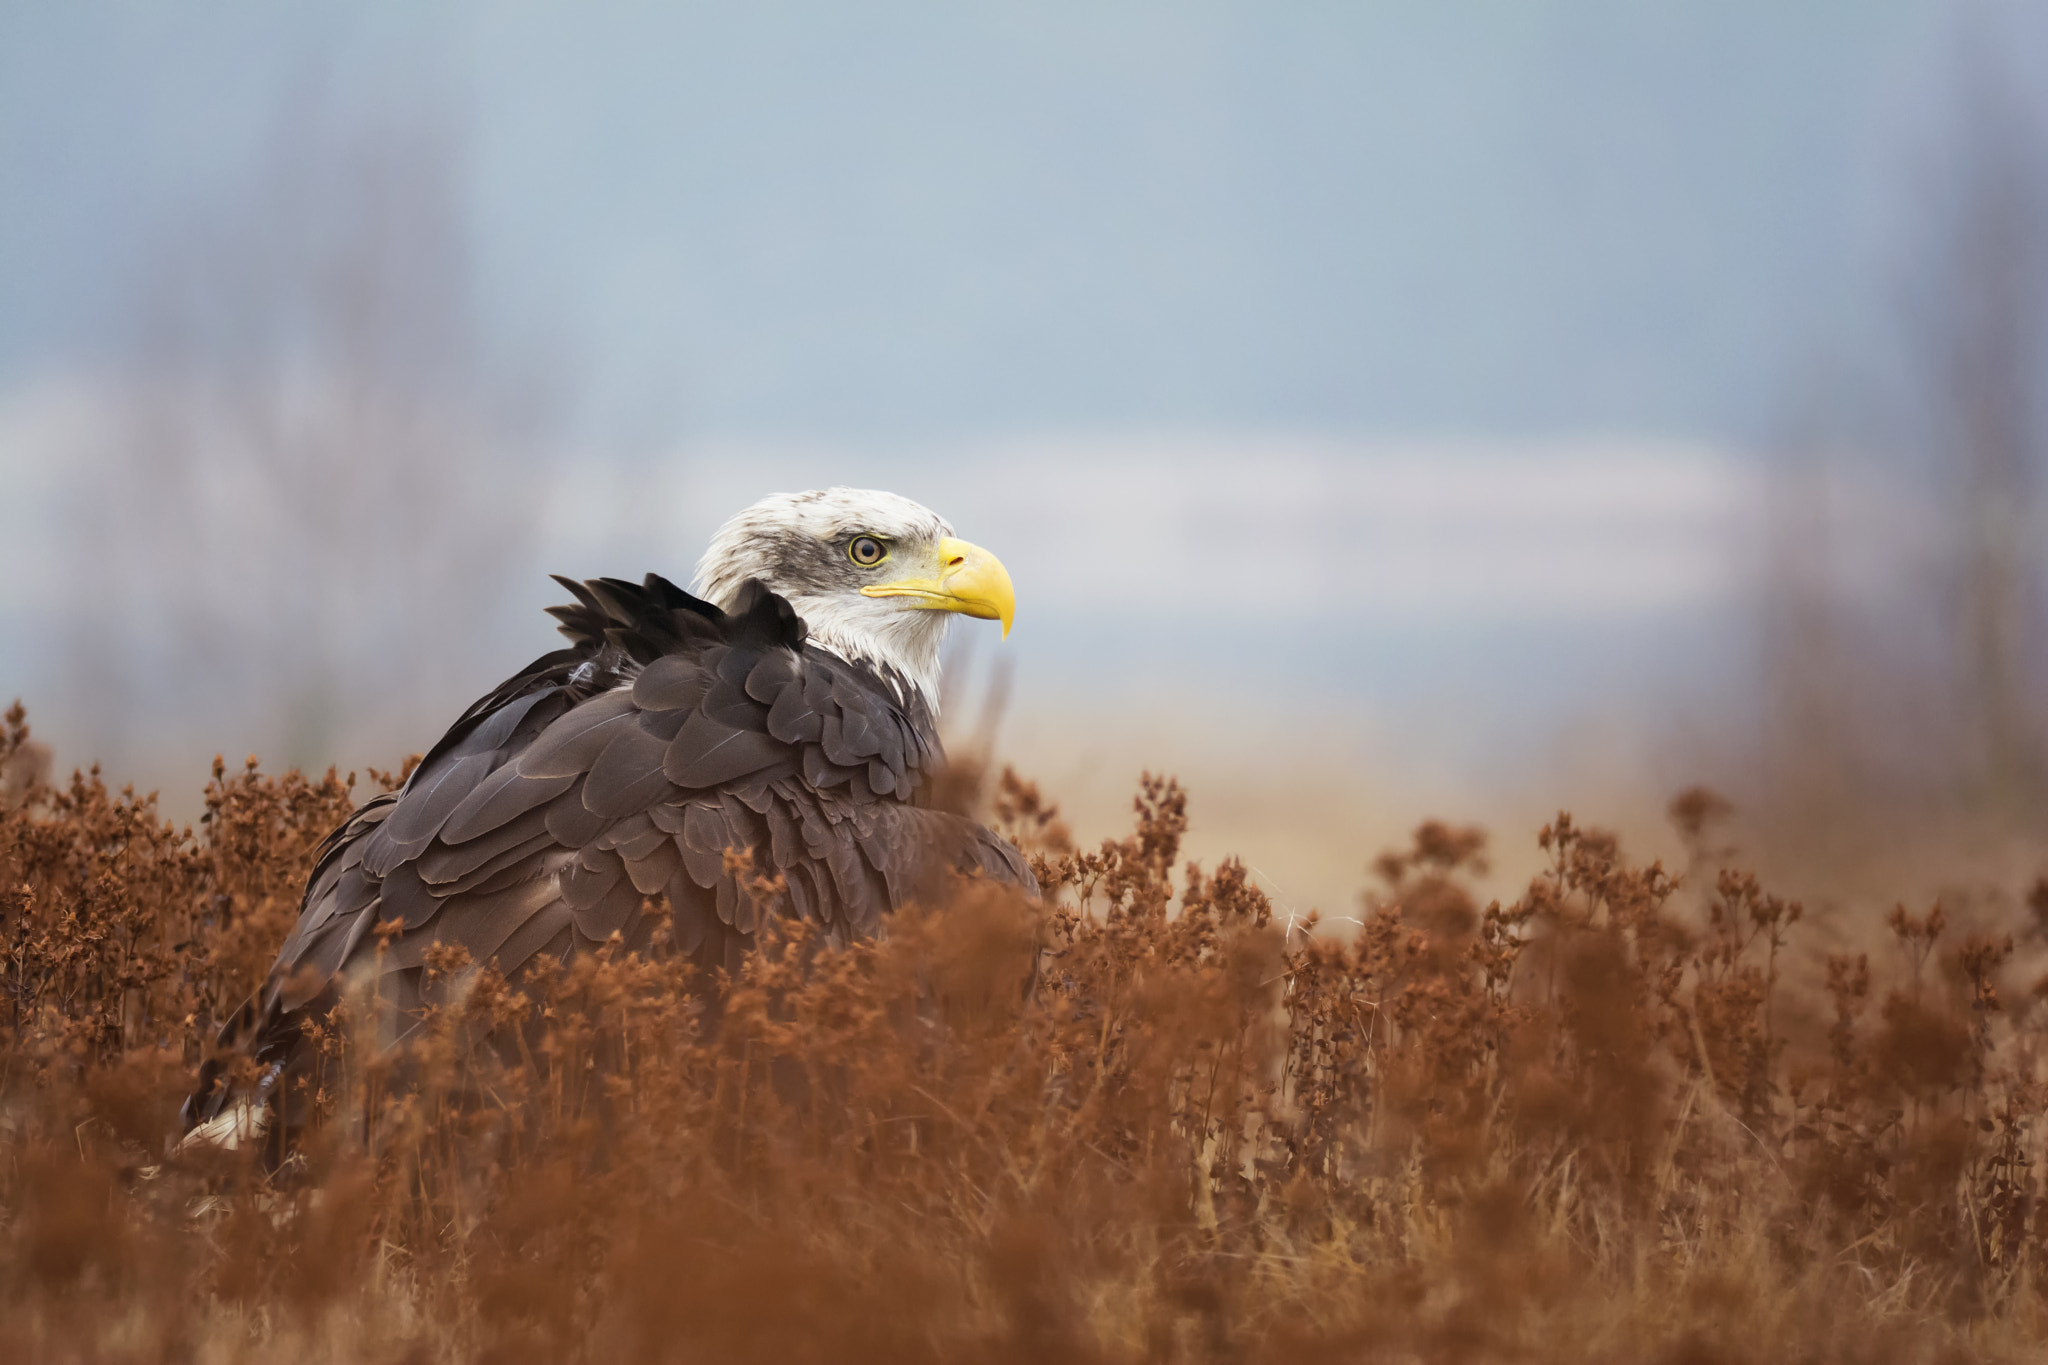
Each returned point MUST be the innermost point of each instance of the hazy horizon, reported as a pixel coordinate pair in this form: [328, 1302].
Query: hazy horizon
[1426, 375]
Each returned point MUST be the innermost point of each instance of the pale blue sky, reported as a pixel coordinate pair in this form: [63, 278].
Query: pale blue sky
[887, 220]
[1402, 253]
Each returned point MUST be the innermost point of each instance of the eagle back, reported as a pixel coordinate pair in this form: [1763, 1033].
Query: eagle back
[625, 772]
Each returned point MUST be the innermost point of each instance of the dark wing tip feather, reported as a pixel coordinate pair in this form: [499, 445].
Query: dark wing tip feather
[672, 598]
[763, 618]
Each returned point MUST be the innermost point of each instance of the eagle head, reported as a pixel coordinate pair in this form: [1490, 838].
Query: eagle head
[876, 577]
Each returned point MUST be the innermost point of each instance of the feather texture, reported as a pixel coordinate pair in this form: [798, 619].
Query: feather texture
[628, 766]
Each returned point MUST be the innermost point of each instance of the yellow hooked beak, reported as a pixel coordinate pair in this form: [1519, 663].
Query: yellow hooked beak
[964, 578]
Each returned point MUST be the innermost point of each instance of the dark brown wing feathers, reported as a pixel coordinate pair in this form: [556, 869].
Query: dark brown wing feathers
[625, 768]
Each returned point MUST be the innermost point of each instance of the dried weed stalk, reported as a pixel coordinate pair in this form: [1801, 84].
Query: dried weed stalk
[1140, 1120]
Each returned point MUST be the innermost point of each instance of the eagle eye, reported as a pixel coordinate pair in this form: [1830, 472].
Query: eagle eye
[866, 551]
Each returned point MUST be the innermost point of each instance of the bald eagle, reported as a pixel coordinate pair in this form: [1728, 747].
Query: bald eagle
[787, 710]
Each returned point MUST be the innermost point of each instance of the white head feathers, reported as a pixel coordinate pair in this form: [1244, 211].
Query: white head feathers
[802, 545]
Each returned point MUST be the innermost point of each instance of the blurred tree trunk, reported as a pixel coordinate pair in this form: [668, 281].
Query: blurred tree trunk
[302, 539]
[1986, 319]
[1903, 630]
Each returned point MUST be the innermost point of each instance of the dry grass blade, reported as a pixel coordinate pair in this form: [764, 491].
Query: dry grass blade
[1139, 1120]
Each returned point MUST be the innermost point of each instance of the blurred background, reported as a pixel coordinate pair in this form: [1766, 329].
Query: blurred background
[1385, 410]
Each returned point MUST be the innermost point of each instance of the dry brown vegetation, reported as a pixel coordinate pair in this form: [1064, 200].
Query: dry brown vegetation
[1141, 1120]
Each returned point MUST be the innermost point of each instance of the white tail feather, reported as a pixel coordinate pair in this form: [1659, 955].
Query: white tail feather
[243, 1121]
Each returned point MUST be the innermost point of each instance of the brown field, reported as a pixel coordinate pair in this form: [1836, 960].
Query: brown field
[1629, 1114]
